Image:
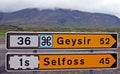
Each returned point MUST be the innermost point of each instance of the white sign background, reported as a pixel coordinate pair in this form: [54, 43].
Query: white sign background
[14, 40]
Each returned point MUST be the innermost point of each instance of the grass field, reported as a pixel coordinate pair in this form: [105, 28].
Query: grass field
[4, 29]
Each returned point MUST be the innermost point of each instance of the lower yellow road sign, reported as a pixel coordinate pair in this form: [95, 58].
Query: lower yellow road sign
[61, 61]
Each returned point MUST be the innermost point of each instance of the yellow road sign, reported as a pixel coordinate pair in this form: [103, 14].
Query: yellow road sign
[84, 41]
[77, 61]
[61, 61]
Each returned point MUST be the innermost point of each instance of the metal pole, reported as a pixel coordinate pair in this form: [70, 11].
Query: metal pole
[34, 51]
[91, 71]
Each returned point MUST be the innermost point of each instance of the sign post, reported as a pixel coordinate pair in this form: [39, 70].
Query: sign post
[34, 51]
[91, 71]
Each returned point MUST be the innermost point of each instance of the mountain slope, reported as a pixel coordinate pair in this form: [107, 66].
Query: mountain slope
[59, 18]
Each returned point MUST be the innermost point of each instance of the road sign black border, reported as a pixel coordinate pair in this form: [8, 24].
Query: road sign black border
[8, 41]
[113, 34]
[114, 66]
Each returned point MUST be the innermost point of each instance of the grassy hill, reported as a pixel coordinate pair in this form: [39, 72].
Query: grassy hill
[63, 18]
[6, 28]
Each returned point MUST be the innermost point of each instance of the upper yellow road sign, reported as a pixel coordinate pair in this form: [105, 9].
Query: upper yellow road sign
[61, 40]
[84, 40]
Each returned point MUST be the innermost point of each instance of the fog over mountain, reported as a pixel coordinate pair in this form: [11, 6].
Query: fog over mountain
[95, 6]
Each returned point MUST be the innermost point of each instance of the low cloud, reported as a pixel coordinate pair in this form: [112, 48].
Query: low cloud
[99, 6]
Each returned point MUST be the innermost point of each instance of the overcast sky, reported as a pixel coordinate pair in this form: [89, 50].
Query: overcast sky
[99, 6]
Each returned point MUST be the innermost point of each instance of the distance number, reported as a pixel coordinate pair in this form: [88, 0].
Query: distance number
[104, 61]
[104, 41]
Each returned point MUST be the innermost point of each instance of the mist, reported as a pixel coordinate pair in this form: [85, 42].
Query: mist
[95, 6]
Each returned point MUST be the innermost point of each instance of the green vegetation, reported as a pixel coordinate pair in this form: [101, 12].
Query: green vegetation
[6, 28]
